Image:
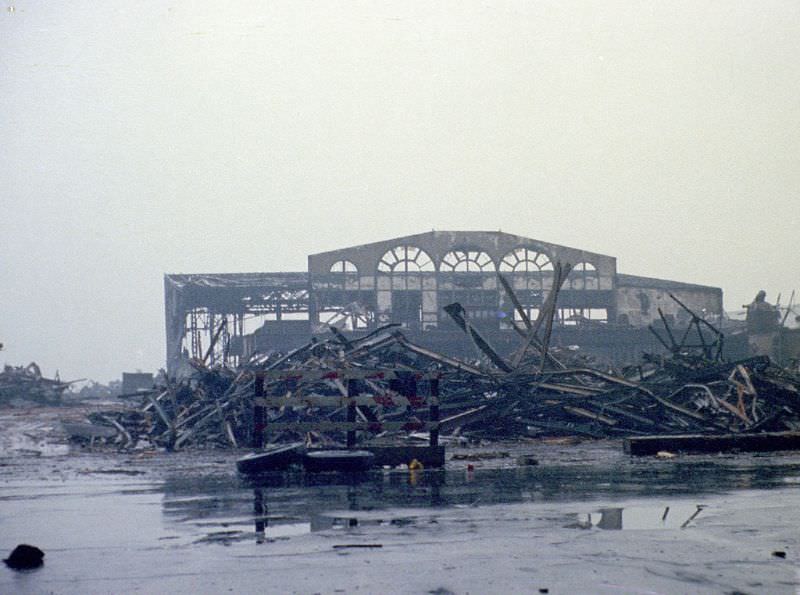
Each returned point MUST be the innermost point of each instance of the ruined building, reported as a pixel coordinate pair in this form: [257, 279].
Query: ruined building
[408, 280]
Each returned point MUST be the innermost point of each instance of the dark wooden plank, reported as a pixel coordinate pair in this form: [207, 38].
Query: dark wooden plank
[699, 443]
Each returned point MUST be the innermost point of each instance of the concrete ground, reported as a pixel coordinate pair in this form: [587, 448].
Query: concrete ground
[586, 519]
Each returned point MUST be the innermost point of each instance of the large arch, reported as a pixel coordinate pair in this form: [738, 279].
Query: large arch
[343, 266]
[526, 260]
[466, 260]
[405, 259]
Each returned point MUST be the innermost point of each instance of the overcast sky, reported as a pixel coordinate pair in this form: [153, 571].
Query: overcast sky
[147, 137]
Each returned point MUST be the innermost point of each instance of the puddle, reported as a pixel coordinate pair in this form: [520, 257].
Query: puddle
[286, 505]
[263, 532]
[168, 523]
[638, 518]
[325, 522]
[195, 501]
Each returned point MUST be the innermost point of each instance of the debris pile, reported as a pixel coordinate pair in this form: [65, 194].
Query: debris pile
[538, 390]
[692, 390]
[25, 384]
[93, 390]
[745, 396]
[213, 407]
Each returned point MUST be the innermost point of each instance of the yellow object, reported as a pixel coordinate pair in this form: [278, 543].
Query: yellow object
[415, 465]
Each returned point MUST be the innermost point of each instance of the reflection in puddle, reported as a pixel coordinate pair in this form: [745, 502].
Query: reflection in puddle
[266, 527]
[285, 530]
[636, 518]
[279, 505]
[325, 522]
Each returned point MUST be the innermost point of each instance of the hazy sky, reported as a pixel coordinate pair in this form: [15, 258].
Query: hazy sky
[146, 137]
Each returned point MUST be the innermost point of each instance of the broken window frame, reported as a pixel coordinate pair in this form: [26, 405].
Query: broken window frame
[344, 267]
[405, 259]
[575, 316]
[467, 260]
[344, 275]
[534, 261]
[584, 276]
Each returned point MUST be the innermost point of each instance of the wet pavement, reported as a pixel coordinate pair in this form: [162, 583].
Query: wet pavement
[586, 519]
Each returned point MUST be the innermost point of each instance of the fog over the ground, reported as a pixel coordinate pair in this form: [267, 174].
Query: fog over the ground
[147, 137]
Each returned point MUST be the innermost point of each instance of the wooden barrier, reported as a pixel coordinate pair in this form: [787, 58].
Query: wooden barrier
[402, 391]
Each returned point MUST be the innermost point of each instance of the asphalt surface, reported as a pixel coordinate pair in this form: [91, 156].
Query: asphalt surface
[585, 519]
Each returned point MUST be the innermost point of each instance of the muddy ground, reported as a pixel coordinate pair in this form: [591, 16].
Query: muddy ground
[586, 519]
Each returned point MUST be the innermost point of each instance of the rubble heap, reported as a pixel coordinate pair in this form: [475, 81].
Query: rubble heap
[538, 390]
[26, 384]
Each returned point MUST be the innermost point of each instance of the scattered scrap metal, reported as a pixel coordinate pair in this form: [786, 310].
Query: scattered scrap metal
[539, 390]
[25, 384]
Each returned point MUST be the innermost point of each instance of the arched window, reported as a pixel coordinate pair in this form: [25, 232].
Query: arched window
[583, 276]
[526, 260]
[472, 261]
[405, 259]
[343, 266]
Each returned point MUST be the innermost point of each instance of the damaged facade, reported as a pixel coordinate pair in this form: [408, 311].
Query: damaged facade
[409, 280]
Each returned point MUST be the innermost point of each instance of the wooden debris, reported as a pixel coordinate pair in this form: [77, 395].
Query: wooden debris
[540, 390]
[694, 443]
[26, 384]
